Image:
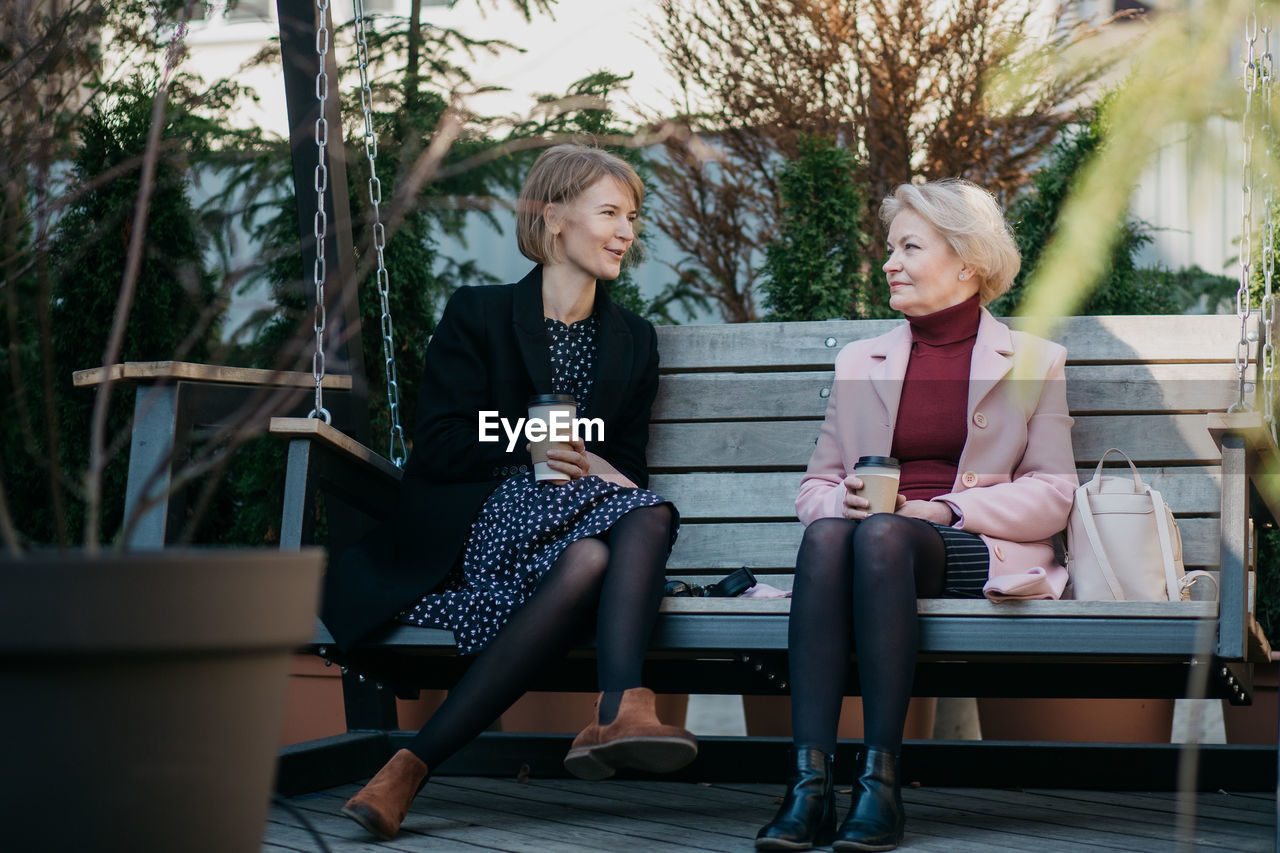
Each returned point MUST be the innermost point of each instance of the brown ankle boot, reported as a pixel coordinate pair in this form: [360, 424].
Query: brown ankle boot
[636, 738]
[381, 805]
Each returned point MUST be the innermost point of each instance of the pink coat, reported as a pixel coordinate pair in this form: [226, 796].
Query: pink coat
[1017, 472]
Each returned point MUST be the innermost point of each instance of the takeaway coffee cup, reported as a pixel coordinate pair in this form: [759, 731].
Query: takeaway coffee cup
[557, 411]
[879, 475]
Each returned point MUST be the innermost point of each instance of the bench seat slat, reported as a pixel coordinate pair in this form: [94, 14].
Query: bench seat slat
[692, 634]
[971, 607]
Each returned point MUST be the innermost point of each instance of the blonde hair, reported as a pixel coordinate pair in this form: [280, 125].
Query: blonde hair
[560, 175]
[973, 224]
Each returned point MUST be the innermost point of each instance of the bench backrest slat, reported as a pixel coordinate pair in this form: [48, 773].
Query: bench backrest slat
[1179, 439]
[1091, 389]
[799, 346]
[770, 496]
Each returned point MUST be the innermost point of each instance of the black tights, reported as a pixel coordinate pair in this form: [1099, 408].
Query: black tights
[859, 581]
[620, 578]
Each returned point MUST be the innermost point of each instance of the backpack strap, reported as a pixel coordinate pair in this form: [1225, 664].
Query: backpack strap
[1171, 580]
[1095, 540]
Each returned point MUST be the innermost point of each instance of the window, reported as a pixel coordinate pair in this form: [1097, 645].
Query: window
[249, 10]
[233, 11]
[1135, 8]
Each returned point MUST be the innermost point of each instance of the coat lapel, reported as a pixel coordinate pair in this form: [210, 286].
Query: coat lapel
[889, 368]
[617, 352]
[616, 346]
[531, 332]
[991, 360]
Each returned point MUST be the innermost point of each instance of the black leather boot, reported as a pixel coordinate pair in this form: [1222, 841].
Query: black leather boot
[807, 817]
[876, 820]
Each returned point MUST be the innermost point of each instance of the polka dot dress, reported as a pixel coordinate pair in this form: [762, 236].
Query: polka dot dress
[524, 525]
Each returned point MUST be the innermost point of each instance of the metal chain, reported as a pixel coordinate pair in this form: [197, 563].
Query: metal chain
[1266, 76]
[398, 452]
[1246, 211]
[321, 221]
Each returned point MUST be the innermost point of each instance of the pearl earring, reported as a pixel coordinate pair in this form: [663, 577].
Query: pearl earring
[963, 276]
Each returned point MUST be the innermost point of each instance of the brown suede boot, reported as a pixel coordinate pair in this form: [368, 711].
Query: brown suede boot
[636, 738]
[381, 805]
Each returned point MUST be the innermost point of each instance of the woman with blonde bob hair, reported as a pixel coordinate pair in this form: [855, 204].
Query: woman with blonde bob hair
[517, 565]
[974, 417]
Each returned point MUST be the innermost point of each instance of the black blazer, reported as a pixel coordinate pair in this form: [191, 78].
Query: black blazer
[489, 352]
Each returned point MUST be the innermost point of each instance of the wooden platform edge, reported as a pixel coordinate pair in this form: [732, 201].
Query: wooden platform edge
[314, 429]
[138, 371]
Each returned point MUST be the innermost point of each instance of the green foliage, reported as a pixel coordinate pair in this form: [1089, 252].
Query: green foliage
[174, 314]
[1267, 593]
[408, 107]
[585, 114]
[28, 480]
[815, 268]
[1125, 289]
[1192, 289]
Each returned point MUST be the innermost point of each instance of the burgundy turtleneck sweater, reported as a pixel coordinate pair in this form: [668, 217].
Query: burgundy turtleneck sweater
[933, 413]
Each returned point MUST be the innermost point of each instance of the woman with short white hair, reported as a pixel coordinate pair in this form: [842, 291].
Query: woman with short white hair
[975, 416]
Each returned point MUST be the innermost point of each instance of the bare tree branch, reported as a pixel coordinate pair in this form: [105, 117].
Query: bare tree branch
[917, 89]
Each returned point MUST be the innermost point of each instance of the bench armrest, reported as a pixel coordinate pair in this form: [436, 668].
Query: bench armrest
[1250, 488]
[1262, 456]
[323, 459]
[156, 372]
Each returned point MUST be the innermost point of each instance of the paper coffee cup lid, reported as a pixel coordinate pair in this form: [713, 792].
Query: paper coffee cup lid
[882, 461]
[552, 399]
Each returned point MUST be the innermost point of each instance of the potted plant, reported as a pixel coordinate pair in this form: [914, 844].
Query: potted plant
[144, 690]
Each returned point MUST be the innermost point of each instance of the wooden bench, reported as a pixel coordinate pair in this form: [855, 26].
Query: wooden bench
[737, 415]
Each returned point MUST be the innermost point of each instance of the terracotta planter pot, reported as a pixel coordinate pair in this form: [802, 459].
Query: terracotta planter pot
[770, 716]
[314, 707]
[570, 713]
[1077, 720]
[145, 694]
[1256, 723]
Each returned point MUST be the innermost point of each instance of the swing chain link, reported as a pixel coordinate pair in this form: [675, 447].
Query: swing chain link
[1243, 311]
[1266, 79]
[398, 452]
[321, 221]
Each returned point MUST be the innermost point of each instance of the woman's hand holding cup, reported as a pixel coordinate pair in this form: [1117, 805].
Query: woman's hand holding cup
[552, 458]
[871, 488]
[855, 506]
[573, 463]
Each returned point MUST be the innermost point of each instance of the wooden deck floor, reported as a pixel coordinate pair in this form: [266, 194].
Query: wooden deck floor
[550, 816]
